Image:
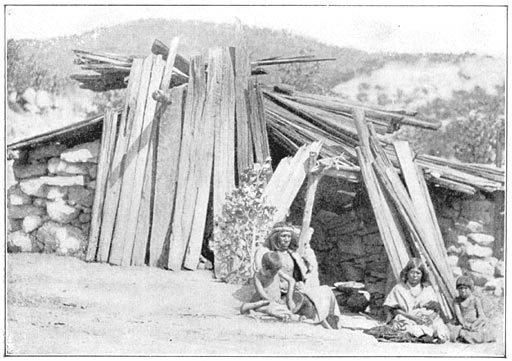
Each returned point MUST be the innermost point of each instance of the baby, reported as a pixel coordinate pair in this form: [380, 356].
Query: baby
[471, 322]
[267, 298]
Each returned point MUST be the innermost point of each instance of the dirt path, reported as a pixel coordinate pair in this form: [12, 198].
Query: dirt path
[63, 306]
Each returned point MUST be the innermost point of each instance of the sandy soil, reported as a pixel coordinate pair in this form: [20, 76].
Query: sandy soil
[64, 306]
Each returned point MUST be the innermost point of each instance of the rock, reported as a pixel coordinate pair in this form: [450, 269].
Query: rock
[20, 212]
[474, 227]
[60, 212]
[456, 271]
[48, 151]
[355, 247]
[462, 241]
[493, 261]
[13, 225]
[56, 192]
[480, 279]
[474, 250]
[40, 202]
[499, 270]
[19, 241]
[84, 217]
[87, 210]
[481, 239]
[481, 266]
[93, 171]
[454, 250]
[91, 185]
[76, 223]
[453, 260]
[16, 197]
[59, 166]
[38, 186]
[85, 228]
[31, 223]
[29, 170]
[61, 239]
[87, 152]
[80, 195]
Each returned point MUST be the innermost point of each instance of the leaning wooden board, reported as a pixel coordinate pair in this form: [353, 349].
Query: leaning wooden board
[167, 160]
[130, 170]
[186, 191]
[118, 163]
[108, 141]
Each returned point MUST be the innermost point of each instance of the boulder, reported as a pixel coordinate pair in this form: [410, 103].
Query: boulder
[31, 223]
[474, 250]
[62, 239]
[80, 195]
[82, 153]
[474, 227]
[20, 212]
[481, 266]
[40, 202]
[493, 261]
[29, 170]
[453, 260]
[454, 250]
[499, 269]
[64, 181]
[480, 279]
[61, 212]
[59, 166]
[16, 197]
[462, 240]
[19, 241]
[91, 185]
[87, 210]
[84, 217]
[481, 239]
[48, 151]
[56, 192]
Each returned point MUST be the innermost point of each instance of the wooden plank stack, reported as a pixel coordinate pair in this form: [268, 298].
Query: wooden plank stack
[173, 157]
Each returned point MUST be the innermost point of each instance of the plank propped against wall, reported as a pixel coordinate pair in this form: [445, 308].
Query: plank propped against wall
[186, 191]
[108, 142]
[119, 160]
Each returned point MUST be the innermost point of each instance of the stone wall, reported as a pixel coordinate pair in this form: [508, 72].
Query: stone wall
[49, 207]
[348, 245]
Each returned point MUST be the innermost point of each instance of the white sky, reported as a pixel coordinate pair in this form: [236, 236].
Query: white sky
[395, 29]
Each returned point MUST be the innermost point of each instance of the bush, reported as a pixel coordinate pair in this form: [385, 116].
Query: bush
[245, 222]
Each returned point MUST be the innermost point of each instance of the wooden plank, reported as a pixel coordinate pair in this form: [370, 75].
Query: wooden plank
[217, 81]
[254, 123]
[186, 191]
[262, 122]
[224, 155]
[130, 170]
[167, 160]
[144, 220]
[241, 70]
[117, 167]
[145, 135]
[108, 141]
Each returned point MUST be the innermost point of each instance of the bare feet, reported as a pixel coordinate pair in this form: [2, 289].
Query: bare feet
[246, 307]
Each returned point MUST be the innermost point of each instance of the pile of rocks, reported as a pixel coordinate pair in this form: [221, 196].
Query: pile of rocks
[49, 208]
[467, 225]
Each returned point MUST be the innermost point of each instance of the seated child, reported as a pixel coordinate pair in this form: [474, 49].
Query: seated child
[267, 298]
[470, 326]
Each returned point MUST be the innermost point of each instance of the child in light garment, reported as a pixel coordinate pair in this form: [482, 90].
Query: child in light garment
[267, 298]
[470, 326]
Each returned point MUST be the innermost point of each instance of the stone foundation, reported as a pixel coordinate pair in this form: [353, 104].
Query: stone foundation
[49, 208]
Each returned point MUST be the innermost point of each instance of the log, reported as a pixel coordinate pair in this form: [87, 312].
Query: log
[118, 165]
[181, 63]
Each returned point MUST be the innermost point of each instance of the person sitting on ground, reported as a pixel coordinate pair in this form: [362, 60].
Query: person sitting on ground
[413, 305]
[470, 325]
[267, 298]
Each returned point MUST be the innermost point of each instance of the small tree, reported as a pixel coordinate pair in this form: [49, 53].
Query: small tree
[245, 222]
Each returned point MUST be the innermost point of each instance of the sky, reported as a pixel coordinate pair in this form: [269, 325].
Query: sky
[405, 29]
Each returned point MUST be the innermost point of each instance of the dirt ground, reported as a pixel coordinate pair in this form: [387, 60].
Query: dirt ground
[64, 306]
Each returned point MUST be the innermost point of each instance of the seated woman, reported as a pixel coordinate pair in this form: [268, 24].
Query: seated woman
[284, 240]
[412, 304]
